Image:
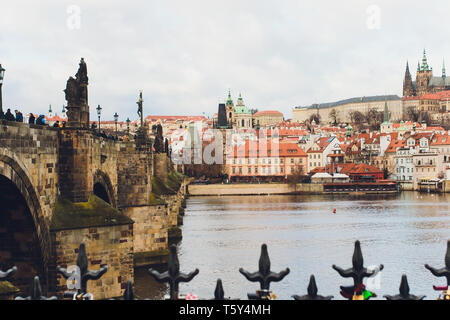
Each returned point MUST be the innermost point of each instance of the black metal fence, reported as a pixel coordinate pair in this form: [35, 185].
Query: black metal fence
[264, 276]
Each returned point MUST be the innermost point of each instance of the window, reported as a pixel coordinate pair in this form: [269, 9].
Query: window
[240, 170]
[292, 160]
[234, 170]
[249, 170]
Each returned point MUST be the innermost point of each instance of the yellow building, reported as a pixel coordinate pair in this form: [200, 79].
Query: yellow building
[267, 118]
[344, 108]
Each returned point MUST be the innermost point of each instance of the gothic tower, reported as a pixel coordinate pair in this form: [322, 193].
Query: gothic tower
[423, 76]
[408, 88]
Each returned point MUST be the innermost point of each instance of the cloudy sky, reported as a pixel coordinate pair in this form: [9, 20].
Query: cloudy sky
[185, 55]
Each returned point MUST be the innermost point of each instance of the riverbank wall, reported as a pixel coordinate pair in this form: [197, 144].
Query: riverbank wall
[158, 224]
[253, 189]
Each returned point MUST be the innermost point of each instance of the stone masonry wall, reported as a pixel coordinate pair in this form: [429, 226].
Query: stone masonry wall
[110, 245]
[134, 176]
[29, 158]
[174, 205]
[160, 165]
[150, 229]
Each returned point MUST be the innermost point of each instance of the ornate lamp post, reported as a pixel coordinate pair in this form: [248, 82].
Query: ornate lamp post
[99, 112]
[116, 118]
[2, 76]
[128, 126]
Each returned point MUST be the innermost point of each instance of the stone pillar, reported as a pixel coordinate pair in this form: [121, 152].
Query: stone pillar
[160, 165]
[75, 158]
[133, 175]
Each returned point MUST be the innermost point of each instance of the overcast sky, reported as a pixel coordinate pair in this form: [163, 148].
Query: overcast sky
[185, 55]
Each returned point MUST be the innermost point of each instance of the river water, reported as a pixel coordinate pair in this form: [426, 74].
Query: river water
[222, 234]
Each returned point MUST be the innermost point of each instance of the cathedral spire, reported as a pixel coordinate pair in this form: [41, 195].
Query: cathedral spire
[386, 112]
[408, 88]
[425, 66]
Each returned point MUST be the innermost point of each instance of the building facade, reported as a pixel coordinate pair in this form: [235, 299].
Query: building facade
[344, 109]
[268, 118]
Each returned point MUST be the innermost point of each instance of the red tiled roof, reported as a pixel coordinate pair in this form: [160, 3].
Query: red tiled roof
[395, 144]
[55, 118]
[353, 168]
[184, 118]
[439, 140]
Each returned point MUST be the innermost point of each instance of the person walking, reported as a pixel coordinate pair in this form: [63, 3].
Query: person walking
[9, 116]
[40, 120]
[56, 124]
[31, 118]
[19, 116]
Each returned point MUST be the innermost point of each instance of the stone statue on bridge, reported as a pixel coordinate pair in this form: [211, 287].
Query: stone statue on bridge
[158, 145]
[76, 95]
[140, 110]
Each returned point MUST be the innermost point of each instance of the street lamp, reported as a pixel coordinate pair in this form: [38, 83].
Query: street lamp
[99, 112]
[2, 76]
[116, 118]
[128, 126]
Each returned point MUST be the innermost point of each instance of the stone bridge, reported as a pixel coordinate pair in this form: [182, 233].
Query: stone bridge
[63, 186]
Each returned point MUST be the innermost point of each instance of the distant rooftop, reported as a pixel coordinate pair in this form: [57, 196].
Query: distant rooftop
[351, 100]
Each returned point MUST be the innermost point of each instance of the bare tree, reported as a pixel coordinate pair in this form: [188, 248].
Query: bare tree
[315, 117]
[374, 118]
[412, 114]
[296, 176]
[334, 116]
[424, 116]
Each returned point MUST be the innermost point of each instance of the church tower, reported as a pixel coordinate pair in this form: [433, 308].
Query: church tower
[50, 111]
[423, 76]
[408, 88]
[444, 73]
[229, 105]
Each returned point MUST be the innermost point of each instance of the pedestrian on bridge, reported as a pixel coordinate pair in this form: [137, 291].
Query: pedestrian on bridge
[40, 120]
[19, 116]
[9, 116]
[31, 119]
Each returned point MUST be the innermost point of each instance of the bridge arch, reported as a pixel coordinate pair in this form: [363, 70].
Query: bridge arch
[23, 227]
[102, 188]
